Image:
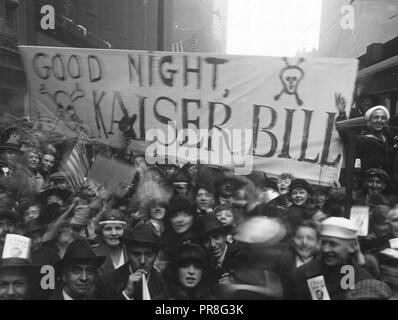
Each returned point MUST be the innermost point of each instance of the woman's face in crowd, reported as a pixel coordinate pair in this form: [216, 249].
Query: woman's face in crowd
[181, 188]
[47, 162]
[54, 199]
[226, 217]
[378, 120]
[181, 222]
[375, 185]
[65, 234]
[140, 162]
[189, 275]
[158, 212]
[31, 213]
[204, 199]
[318, 217]
[382, 229]
[283, 185]
[226, 189]
[111, 232]
[299, 196]
[305, 242]
[320, 200]
[393, 219]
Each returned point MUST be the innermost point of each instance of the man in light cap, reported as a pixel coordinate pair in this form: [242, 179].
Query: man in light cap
[339, 247]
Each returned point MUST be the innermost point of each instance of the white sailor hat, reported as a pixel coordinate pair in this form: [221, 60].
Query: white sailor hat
[337, 227]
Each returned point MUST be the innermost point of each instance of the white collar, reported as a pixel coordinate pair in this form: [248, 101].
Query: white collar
[221, 259]
[66, 296]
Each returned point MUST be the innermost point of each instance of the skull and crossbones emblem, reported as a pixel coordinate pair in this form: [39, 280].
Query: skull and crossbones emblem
[291, 77]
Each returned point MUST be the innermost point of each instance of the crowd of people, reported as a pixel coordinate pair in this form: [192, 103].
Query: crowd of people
[199, 232]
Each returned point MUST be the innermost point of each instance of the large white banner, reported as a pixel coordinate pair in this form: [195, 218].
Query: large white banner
[274, 113]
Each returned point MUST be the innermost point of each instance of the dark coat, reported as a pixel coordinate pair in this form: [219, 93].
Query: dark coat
[375, 153]
[107, 266]
[111, 286]
[177, 292]
[297, 287]
[286, 263]
[233, 257]
[58, 295]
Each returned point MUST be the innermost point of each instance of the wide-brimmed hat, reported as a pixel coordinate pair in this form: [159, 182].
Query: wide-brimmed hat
[382, 174]
[179, 204]
[11, 146]
[33, 226]
[190, 252]
[112, 216]
[300, 183]
[209, 224]
[260, 232]
[7, 211]
[142, 234]
[62, 193]
[180, 177]
[23, 265]
[80, 252]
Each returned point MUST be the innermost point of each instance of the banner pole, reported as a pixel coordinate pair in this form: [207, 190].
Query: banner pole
[350, 162]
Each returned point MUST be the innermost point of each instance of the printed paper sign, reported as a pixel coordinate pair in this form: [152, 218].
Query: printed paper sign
[318, 288]
[360, 216]
[16, 246]
[394, 243]
[392, 253]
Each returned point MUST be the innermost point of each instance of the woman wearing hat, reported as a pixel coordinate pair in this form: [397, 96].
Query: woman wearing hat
[300, 193]
[179, 224]
[111, 227]
[154, 211]
[187, 276]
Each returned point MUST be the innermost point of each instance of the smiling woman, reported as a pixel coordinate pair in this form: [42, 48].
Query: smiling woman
[273, 28]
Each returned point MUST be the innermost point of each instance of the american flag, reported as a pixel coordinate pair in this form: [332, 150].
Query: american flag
[189, 44]
[77, 164]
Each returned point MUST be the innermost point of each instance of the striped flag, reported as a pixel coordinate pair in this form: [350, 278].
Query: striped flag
[77, 164]
[189, 44]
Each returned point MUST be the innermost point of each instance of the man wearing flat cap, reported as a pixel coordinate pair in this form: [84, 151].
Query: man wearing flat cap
[339, 247]
[127, 282]
[79, 270]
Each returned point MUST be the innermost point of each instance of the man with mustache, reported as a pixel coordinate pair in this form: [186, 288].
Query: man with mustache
[339, 247]
[125, 283]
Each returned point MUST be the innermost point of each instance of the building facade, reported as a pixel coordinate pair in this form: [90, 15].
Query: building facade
[207, 19]
[117, 24]
[373, 40]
